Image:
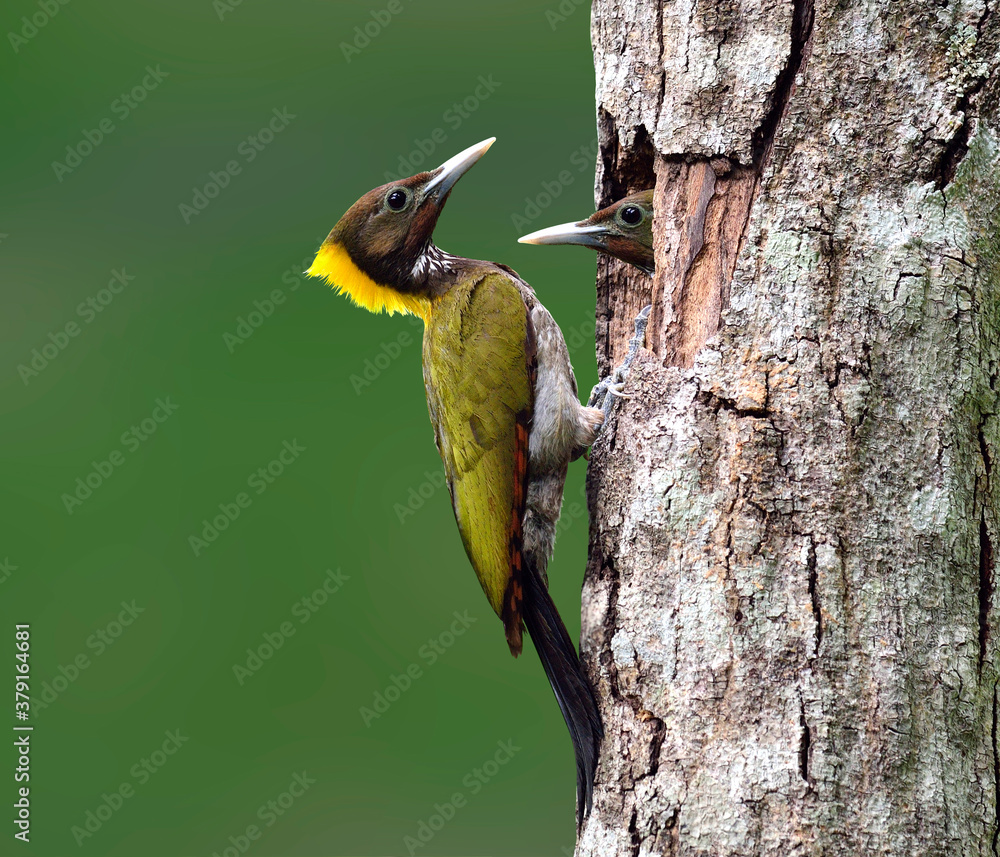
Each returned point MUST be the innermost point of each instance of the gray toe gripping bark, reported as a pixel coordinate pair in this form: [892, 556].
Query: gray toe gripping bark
[612, 387]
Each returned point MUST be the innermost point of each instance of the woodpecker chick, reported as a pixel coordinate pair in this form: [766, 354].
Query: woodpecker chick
[624, 230]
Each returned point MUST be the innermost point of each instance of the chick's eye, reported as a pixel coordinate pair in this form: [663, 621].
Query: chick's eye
[631, 214]
[396, 200]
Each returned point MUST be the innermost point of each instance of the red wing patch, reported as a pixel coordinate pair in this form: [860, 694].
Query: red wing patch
[513, 595]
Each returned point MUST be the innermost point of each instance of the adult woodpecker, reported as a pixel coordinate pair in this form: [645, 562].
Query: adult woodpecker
[503, 401]
[624, 229]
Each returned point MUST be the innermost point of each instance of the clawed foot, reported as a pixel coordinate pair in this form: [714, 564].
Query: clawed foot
[612, 387]
[607, 391]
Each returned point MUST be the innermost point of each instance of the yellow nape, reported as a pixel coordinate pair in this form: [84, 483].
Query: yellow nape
[335, 265]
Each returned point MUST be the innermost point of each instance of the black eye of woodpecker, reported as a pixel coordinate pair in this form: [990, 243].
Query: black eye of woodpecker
[631, 214]
[396, 200]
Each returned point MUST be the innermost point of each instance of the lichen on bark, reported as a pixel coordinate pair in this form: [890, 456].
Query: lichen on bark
[790, 608]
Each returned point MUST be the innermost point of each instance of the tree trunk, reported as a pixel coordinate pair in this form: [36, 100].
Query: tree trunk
[790, 608]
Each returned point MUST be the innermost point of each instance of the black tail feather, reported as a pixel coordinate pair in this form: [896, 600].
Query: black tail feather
[570, 685]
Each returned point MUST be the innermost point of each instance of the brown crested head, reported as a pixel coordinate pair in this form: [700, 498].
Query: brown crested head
[375, 249]
[624, 229]
[386, 230]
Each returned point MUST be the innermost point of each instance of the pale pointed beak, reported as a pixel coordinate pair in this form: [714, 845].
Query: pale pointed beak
[454, 168]
[567, 233]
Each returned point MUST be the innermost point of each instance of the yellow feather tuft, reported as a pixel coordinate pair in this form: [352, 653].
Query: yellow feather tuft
[334, 264]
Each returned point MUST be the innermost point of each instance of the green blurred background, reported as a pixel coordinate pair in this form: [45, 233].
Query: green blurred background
[362, 498]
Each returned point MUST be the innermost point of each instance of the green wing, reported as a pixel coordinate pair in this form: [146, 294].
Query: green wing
[478, 358]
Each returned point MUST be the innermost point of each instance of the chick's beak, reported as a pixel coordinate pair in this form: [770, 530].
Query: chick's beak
[568, 233]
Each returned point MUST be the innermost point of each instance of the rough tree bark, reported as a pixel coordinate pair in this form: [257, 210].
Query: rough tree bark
[790, 610]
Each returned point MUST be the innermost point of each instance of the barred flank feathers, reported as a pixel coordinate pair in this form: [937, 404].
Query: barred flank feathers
[570, 685]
